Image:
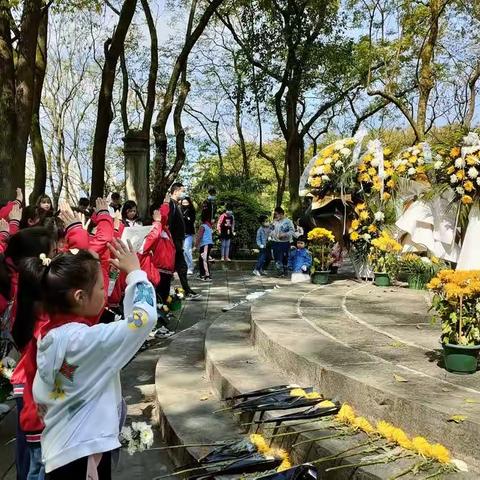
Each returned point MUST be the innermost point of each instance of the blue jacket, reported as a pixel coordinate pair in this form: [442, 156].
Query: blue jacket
[262, 236]
[299, 258]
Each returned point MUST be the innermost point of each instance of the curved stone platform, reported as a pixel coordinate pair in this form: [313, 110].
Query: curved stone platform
[376, 349]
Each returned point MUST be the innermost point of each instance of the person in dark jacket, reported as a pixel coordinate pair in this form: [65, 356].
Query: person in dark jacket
[209, 205]
[178, 231]
[189, 214]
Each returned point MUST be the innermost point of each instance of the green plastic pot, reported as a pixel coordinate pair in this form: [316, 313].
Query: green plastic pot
[321, 278]
[382, 279]
[461, 359]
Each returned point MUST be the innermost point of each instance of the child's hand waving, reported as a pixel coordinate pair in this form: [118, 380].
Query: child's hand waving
[157, 216]
[125, 259]
[15, 213]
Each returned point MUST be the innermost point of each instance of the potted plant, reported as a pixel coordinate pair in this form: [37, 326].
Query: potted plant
[456, 301]
[384, 258]
[321, 245]
[419, 270]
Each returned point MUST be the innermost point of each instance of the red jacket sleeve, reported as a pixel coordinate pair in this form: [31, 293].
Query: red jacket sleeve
[151, 240]
[77, 237]
[117, 233]
[104, 232]
[6, 209]
[14, 227]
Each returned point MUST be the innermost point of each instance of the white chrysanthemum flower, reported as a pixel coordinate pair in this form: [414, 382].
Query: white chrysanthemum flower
[345, 152]
[411, 171]
[453, 178]
[438, 165]
[379, 216]
[397, 163]
[460, 190]
[338, 164]
[325, 178]
[460, 162]
[319, 170]
[375, 162]
[131, 449]
[471, 139]
[420, 161]
[416, 151]
[147, 437]
[338, 145]
[404, 161]
[328, 161]
[426, 260]
[366, 237]
[478, 180]
[472, 172]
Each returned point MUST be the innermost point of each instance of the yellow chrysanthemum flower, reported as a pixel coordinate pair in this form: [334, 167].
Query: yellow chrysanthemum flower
[421, 446]
[372, 228]
[259, 442]
[364, 215]
[297, 392]
[440, 453]
[326, 404]
[355, 224]
[346, 414]
[312, 395]
[354, 236]
[467, 199]
[455, 152]
[364, 425]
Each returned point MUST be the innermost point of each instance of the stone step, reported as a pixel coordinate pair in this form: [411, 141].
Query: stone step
[233, 366]
[383, 372]
[185, 399]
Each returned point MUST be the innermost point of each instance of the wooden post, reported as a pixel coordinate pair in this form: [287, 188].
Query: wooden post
[136, 148]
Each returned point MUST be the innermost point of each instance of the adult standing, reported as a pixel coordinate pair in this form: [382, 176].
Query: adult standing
[189, 214]
[177, 230]
[210, 205]
[282, 234]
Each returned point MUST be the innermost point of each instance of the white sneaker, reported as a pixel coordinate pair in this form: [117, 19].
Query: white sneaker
[257, 273]
[190, 272]
[163, 332]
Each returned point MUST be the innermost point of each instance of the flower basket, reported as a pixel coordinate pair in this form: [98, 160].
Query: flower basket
[461, 359]
[419, 270]
[321, 278]
[321, 245]
[384, 258]
[382, 279]
[456, 302]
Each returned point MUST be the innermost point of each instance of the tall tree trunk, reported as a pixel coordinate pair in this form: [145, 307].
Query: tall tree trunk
[36, 140]
[24, 84]
[113, 48]
[177, 124]
[7, 106]
[426, 74]
[162, 177]
[293, 151]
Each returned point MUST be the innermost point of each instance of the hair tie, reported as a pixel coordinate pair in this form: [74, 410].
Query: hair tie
[45, 260]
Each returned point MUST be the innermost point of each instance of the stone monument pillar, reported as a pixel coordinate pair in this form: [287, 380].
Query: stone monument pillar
[136, 150]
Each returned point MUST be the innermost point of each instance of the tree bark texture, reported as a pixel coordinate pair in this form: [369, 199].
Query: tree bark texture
[113, 49]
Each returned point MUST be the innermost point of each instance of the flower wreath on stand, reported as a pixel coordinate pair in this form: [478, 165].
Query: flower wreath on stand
[332, 173]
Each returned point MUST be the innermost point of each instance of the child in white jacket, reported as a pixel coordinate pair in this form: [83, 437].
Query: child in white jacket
[77, 385]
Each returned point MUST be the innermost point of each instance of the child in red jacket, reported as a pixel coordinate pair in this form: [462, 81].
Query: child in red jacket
[158, 260]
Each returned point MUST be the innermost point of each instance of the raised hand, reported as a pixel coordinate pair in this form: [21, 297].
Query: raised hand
[157, 216]
[101, 204]
[125, 258]
[19, 196]
[15, 213]
[67, 215]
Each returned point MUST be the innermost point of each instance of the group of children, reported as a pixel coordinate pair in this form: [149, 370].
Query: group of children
[59, 284]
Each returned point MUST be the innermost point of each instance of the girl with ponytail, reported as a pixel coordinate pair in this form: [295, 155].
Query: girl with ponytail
[77, 383]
